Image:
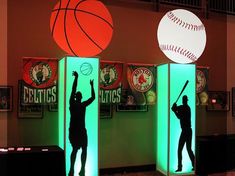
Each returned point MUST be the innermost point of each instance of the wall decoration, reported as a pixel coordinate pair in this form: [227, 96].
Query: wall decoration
[202, 75]
[128, 103]
[39, 84]
[233, 101]
[111, 74]
[132, 108]
[106, 111]
[141, 80]
[28, 111]
[31, 95]
[218, 101]
[6, 98]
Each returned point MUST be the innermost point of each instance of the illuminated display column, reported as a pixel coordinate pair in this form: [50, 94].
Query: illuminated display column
[171, 80]
[87, 69]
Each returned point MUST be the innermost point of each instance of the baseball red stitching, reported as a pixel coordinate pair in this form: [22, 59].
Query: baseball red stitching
[179, 50]
[183, 24]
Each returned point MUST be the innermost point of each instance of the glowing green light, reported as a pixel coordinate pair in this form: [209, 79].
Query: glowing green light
[88, 69]
[162, 120]
[61, 103]
[171, 79]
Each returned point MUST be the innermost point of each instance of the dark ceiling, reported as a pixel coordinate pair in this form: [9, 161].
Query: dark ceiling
[219, 6]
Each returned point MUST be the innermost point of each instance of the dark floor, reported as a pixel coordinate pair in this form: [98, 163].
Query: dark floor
[134, 174]
[232, 173]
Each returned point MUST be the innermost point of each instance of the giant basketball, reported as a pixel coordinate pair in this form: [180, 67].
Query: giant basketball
[81, 28]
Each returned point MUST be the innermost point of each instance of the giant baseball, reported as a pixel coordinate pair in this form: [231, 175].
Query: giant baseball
[181, 36]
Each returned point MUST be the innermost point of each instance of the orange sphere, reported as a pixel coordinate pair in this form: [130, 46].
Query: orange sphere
[81, 28]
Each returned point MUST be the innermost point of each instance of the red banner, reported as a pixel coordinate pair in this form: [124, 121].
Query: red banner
[111, 74]
[39, 85]
[40, 72]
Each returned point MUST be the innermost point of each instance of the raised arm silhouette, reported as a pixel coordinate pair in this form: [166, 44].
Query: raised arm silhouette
[183, 113]
[77, 128]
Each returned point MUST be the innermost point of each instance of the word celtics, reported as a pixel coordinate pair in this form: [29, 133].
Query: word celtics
[39, 96]
[110, 96]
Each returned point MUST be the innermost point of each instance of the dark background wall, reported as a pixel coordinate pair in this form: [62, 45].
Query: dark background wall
[128, 138]
[3, 65]
[230, 69]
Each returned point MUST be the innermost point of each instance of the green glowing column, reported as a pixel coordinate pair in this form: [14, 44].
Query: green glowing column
[171, 78]
[87, 69]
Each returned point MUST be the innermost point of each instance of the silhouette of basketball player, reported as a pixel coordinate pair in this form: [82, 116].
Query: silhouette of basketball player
[183, 113]
[77, 130]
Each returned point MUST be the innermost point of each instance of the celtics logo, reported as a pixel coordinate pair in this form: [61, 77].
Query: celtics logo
[142, 79]
[108, 76]
[40, 73]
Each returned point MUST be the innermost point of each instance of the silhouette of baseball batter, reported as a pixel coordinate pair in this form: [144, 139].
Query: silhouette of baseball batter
[183, 113]
[77, 129]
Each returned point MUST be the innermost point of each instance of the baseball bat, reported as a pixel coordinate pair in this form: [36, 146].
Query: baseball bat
[185, 85]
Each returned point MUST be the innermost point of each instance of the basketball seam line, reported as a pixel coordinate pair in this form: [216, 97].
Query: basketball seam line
[183, 24]
[66, 9]
[65, 15]
[67, 40]
[110, 25]
[179, 50]
[57, 14]
[96, 44]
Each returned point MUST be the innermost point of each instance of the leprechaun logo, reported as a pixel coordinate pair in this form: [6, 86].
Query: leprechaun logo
[142, 79]
[39, 85]
[110, 82]
[40, 73]
[108, 76]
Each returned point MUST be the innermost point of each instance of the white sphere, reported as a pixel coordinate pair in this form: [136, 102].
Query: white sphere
[181, 36]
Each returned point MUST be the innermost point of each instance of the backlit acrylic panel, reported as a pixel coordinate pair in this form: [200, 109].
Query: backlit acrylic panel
[61, 105]
[87, 70]
[162, 118]
[179, 74]
[178, 127]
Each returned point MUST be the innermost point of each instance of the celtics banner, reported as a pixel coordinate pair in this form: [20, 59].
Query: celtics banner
[142, 86]
[111, 74]
[202, 85]
[39, 84]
